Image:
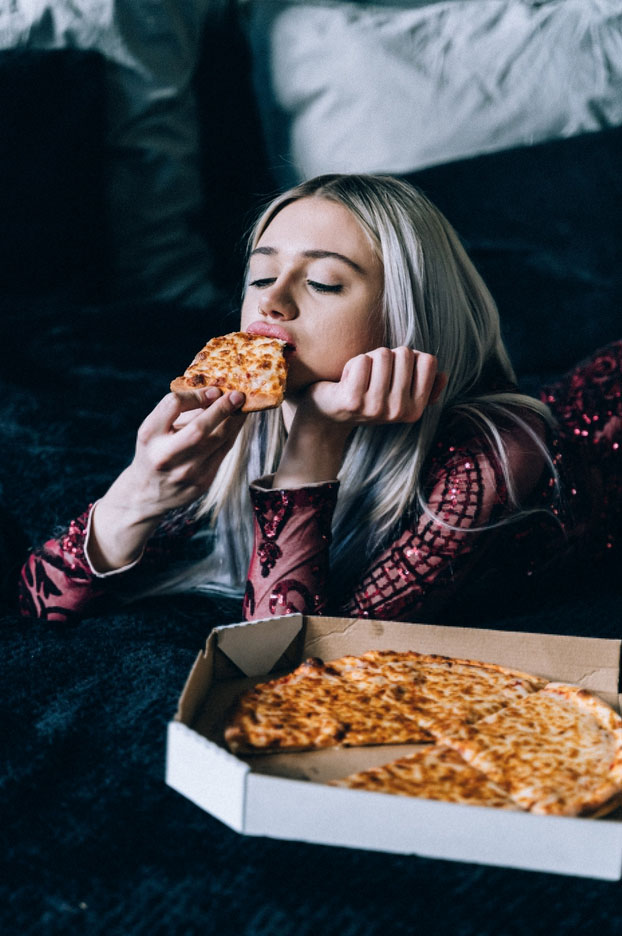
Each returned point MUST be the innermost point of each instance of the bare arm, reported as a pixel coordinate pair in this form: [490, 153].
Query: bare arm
[178, 452]
[175, 462]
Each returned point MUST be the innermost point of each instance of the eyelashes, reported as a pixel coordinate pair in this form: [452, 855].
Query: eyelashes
[317, 287]
[324, 287]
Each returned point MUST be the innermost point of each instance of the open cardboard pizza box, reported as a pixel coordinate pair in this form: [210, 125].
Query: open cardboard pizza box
[285, 795]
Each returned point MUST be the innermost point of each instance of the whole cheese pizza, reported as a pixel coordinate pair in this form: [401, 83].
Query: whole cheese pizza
[254, 364]
[487, 735]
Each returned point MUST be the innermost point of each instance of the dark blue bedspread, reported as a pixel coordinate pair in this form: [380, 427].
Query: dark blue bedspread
[93, 841]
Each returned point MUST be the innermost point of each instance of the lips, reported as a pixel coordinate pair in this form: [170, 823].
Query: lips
[270, 331]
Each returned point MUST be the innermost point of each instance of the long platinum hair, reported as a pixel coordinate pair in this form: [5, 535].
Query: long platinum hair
[434, 301]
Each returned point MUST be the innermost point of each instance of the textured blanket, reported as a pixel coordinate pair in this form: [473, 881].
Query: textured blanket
[93, 842]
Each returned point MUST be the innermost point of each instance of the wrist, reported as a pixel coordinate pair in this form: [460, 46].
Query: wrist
[132, 503]
[119, 529]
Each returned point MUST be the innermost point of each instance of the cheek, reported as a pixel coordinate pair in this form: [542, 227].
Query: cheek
[359, 337]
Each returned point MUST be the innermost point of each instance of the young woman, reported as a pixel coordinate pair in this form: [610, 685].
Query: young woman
[402, 439]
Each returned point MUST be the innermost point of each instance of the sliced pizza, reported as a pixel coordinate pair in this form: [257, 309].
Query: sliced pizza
[381, 697]
[312, 708]
[433, 772]
[254, 364]
[557, 751]
[439, 691]
[495, 736]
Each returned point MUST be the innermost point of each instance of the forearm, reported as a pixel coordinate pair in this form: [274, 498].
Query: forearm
[119, 529]
[290, 564]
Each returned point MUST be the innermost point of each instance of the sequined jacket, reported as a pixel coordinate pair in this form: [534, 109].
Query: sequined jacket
[427, 564]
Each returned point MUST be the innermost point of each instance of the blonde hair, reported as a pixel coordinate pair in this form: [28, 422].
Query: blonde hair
[434, 301]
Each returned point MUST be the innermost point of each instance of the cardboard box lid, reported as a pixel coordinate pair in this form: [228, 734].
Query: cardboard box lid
[257, 647]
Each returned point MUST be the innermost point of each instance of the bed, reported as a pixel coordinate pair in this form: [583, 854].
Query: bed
[139, 139]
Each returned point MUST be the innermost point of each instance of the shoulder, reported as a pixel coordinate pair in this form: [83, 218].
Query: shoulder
[496, 457]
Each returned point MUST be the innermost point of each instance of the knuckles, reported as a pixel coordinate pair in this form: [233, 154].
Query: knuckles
[194, 436]
[143, 435]
[382, 355]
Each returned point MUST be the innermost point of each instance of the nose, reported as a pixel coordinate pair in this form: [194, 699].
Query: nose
[277, 302]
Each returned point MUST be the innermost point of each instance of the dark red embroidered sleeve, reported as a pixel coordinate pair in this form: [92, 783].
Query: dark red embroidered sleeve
[58, 584]
[289, 566]
[421, 569]
[587, 403]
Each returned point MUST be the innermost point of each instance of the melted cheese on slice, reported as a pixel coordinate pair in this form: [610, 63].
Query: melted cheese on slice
[442, 693]
[314, 708]
[254, 364]
[556, 751]
[381, 697]
[435, 772]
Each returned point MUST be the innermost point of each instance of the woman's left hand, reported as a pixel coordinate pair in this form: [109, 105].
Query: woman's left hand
[382, 386]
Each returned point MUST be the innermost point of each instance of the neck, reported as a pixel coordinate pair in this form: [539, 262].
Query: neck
[288, 409]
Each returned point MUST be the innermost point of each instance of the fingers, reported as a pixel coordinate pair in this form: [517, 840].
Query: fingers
[160, 420]
[175, 432]
[387, 385]
[366, 383]
[197, 399]
[355, 380]
[405, 371]
[379, 395]
[210, 427]
[425, 372]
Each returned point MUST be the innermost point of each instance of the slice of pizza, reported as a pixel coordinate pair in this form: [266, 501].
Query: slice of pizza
[433, 772]
[381, 697]
[254, 364]
[315, 707]
[446, 693]
[557, 751]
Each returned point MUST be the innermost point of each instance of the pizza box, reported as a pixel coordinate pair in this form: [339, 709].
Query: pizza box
[285, 796]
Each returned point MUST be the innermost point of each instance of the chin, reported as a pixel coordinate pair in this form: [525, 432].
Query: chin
[294, 394]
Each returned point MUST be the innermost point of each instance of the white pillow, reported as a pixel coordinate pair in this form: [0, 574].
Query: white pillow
[394, 88]
[151, 47]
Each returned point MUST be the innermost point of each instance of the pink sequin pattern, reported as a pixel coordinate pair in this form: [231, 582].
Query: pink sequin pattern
[428, 562]
[428, 555]
[289, 567]
[56, 582]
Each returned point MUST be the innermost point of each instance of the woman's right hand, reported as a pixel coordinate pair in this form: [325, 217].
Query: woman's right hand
[179, 449]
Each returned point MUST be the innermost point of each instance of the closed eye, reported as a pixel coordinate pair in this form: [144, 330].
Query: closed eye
[324, 287]
[262, 283]
[318, 287]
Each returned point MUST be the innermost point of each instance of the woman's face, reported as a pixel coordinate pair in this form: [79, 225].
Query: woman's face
[316, 282]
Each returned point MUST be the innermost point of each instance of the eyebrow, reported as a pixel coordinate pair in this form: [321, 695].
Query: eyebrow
[313, 255]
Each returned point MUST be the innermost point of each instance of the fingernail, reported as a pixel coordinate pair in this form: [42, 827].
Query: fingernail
[212, 393]
[236, 397]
